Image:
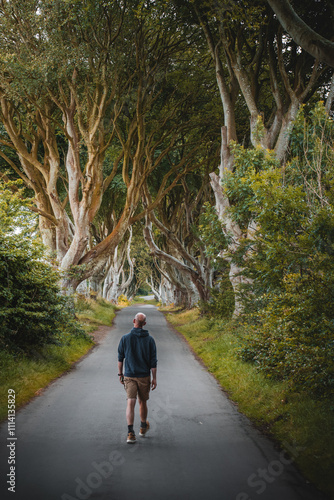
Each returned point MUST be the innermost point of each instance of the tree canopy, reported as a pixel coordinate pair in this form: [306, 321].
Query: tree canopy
[90, 91]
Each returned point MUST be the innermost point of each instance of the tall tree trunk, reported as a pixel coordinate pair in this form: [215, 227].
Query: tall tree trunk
[233, 233]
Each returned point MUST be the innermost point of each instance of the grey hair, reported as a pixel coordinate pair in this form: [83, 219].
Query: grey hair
[140, 319]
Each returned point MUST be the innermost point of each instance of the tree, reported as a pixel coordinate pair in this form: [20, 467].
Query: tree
[144, 269]
[116, 282]
[257, 63]
[319, 47]
[85, 93]
[176, 244]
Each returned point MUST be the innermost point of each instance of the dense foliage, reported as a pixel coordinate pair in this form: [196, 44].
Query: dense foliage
[213, 241]
[33, 312]
[290, 258]
[93, 102]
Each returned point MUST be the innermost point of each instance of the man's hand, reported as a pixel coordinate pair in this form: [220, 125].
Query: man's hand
[154, 378]
[120, 372]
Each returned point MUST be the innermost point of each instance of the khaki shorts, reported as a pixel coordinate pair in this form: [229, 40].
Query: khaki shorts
[137, 385]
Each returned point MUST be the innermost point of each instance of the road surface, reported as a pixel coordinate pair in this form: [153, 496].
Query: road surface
[147, 297]
[71, 440]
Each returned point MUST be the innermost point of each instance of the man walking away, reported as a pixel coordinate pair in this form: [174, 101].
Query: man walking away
[139, 351]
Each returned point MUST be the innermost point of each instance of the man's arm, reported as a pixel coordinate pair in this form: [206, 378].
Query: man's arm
[120, 372]
[121, 357]
[154, 378]
[153, 362]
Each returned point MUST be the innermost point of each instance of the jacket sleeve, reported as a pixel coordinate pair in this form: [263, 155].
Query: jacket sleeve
[121, 354]
[153, 354]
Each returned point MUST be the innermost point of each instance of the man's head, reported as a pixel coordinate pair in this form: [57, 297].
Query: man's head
[140, 320]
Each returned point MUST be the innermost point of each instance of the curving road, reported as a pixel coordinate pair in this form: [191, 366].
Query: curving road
[71, 440]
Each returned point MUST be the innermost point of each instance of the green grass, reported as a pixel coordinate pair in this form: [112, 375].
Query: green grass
[138, 300]
[285, 416]
[27, 375]
[94, 313]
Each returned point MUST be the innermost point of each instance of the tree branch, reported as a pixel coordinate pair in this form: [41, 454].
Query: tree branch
[319, 47]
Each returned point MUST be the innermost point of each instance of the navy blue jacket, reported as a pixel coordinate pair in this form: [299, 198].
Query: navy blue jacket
[139, 351]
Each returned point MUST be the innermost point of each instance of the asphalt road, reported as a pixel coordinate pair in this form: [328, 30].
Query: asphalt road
[71, 440]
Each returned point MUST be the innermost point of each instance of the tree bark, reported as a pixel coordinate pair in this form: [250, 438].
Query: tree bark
[330, 97]
[319, 47]
[234, 235]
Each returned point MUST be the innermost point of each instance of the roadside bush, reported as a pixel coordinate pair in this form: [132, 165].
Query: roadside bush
[81, 303]
[295, 341]
[123, 301]
[221, 302]
[290, 262]
[33, 311]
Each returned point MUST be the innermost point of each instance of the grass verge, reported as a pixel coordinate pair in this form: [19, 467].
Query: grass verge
[28, 375]
[140, 300]
[94, 313]
[292, 418]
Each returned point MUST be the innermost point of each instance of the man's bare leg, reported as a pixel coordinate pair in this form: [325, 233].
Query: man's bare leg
[130, 411]
[144, 425]
[143, 410]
